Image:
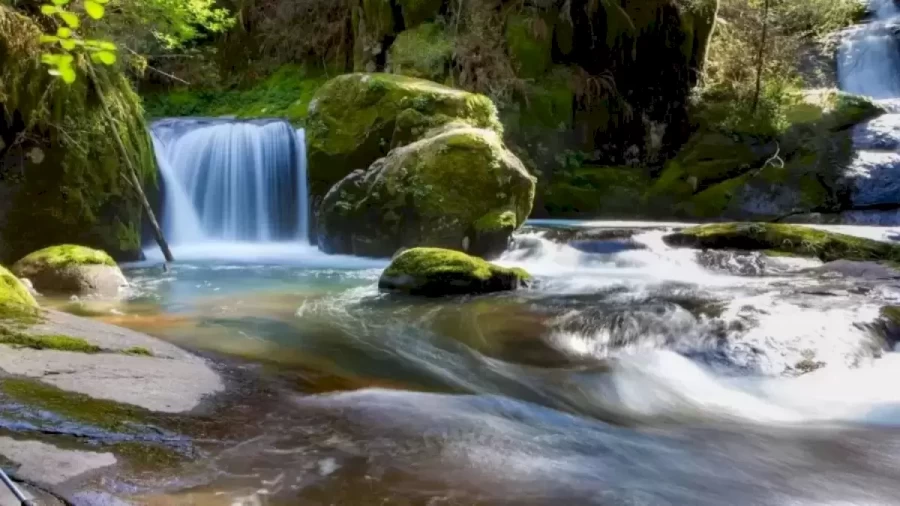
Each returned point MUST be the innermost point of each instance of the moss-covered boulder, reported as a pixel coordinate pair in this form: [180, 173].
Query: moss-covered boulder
[785, 239]
[425, 51]
[72, 270]
[435, 272]
[356, 119]
[15, 299]
[459, 188]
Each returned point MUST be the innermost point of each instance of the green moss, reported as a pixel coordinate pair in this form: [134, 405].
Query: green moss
[714, 201]
[425, 52]
[891, 314]
[16, 302]
[73, 406]
[353, 118]
[57, 257]
[285, 94]
[436, 271]
[529, 40]
[832, 109]
[496, 220]
[790, 239]
[46, 342]
[73, 191]
[416, 12]
[138, 351]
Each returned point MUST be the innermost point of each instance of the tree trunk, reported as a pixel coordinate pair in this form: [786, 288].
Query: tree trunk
[131, 175]
[761, 56]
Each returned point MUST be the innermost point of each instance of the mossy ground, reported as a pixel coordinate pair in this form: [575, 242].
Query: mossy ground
[46, 342]
[788, 239]
[286, 94]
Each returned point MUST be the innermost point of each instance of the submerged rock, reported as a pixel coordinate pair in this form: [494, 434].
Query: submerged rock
[356, 119]
[458, 189]
[72, 270]
[784, 239]
[436, 272]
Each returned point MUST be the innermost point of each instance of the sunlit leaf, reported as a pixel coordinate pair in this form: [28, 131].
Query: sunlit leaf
[106, 57]
[70, 18]
[68, 74]
[66, 59]
[93, 9]
[50, 59]
[68, 45]
[49, 10]
[61, 2]
[64, 32]
[49, 39]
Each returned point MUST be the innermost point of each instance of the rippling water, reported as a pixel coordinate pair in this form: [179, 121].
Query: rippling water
[630, 374]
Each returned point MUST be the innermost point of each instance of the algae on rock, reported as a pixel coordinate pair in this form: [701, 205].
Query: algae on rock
[72, 270]
[459, 188]
[436, 272]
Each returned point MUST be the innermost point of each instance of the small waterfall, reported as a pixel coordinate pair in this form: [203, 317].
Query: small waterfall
[228, 181]
[869, 64]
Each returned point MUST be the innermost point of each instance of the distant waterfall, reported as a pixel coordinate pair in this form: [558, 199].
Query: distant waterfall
[869, 64]
[232, 180]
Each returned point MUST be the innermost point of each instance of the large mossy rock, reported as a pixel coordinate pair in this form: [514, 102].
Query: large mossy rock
[15, 299]
[60, 166]
[436, 272]
[356, 119]
[785, 239]
[72, 270]
[459, 188]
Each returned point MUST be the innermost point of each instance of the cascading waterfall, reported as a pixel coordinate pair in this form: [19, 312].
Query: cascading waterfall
[869, 64]
[232, 181]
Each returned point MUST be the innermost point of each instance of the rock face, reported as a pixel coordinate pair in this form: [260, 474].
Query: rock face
[459, 188]
[786, 239]
[435, 272]
[356, 119]
[72, 270]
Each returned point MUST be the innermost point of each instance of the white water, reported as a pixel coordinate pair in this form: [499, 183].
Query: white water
[869, 64]
[228, 182]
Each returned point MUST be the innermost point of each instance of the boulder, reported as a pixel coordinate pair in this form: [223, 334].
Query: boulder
[435, 272]
[15, 299]
[785, 239]
[355, 119]
[459, 188]
[72, 270]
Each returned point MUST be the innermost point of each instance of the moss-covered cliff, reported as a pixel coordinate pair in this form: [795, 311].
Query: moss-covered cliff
[59, 166]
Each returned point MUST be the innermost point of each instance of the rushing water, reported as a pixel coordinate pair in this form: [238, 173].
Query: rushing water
[232, 181]
[630, 373]
[869, 64]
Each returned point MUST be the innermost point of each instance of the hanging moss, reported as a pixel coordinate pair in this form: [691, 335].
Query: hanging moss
[67, 168]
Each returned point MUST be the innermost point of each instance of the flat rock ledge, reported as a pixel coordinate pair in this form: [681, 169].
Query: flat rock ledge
[168, 380]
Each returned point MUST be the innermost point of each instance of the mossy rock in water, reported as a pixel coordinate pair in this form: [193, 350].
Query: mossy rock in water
[459, 188]
[72, 270]
[353, 120]
[425, 52]
[416, 12]
[16, 302]
[787, 239]
[436, 272]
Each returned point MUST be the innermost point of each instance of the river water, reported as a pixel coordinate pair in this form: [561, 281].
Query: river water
[629, 374]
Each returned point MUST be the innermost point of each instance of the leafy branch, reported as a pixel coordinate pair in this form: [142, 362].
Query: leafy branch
[68, 42]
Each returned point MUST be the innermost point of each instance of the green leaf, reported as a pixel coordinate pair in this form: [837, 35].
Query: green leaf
[66, 59]
[60, 2]
[63, 32]
[68, 45]
[94, 9]
[105, 57]
[70, 18]
[102, 1]
[67, 73]
[50, 59]
[49, 10]
[49, 39]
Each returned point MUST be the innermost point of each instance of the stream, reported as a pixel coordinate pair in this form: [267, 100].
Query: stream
[631, 373]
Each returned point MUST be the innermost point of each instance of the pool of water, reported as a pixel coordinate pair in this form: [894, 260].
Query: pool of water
[629, 373]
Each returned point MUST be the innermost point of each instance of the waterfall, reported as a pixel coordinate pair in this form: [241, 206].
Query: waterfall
[868, 63]
[232, 181]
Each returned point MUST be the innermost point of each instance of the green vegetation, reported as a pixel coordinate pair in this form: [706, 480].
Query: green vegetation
[788, 239]
[138, 351]
[58, 257]
[286, 94]
[598, 191]
[425, 52]
[46, 342]
[435, 272]
[16, 302]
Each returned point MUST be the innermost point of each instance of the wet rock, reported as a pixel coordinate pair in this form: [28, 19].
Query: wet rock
[435, 272]
[46, 464]
[862, 270]
[72, 270]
